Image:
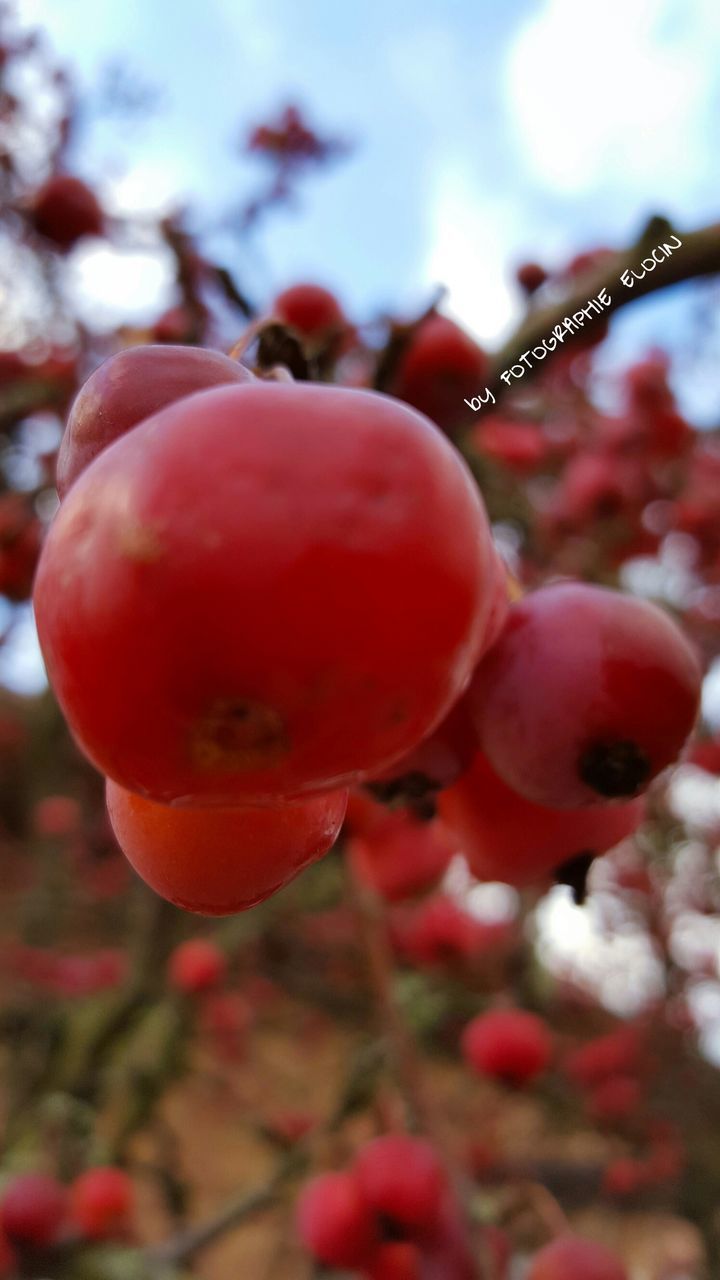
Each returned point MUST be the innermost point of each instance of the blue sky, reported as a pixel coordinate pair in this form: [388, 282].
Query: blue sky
[485, 132]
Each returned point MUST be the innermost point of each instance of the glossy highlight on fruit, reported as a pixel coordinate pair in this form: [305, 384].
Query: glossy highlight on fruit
[263, 590]
[130, 386]
[218, 861]
[587, 695]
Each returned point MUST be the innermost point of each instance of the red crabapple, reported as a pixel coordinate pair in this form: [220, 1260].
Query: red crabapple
[196, 966]
[403, 1180]
[65, 209]
[440, 368]
[402, 857]
[334, 1222]
[33, 1210]
[263, 590]
[530, 276]
[508, 838]
[218, 861]
[508, 1044]
[101, 1202]
[311, 310]
[400, 1260]
[588, 695]
[571, 1256]
[129, 387]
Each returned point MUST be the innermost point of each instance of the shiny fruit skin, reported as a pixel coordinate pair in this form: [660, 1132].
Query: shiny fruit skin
[263, 590]
[101, 1202]
[127, 388]
[402, 1179]
[217, 861]
[572, 1258]
[334, 1222]
[33, 1210]
[65, 209]
[587, 695]
[508, 838]
[508, 1044]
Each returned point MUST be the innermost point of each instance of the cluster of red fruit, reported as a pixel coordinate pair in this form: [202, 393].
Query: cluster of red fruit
[387, 1215]
[256, 594]
[38, 1213]
[392, 1216]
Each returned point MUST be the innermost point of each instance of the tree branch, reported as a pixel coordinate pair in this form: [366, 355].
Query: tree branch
[698, 255]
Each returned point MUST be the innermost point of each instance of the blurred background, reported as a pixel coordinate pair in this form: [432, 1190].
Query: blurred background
[399, 156]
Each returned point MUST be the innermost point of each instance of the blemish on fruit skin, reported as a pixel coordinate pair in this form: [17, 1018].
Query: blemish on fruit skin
[237, 735]
[140, 543]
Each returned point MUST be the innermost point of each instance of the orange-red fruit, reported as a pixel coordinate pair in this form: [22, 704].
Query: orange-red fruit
[402, 1179]
[572, 1258]
[508, 1044]
[508, 838]
[101, 1202]
[335, 1223]
[33, 1210]
[310, 309]
[218, 861]
[440, 368]
[129, 387]
[263, 590]
[65, 209]
[196, 965]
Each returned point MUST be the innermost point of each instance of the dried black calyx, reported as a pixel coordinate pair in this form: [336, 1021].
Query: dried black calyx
[614, 769]
[575, 873]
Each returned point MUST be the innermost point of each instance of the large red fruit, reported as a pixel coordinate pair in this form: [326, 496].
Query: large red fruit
[262, 590]
[506, 837]
[334, 1221]
[403, 1179]
[587, 695]
[572, 1258]
[130, 386]
[33, 1210]
[65, 209]
[508, 1044]
[217, 861]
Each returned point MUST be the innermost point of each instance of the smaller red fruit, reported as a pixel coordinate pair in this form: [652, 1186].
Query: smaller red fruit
[572, 1257]
[196, 965]
[33, 1210]
[311, 310]
[397, 1261]
[509, 1044]
[65, 209]
[101, 1202]
[530, 276]
[335, 1223]
[402, 1179]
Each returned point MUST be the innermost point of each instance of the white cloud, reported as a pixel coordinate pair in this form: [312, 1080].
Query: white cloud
[469, 237]
[614, 94]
